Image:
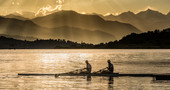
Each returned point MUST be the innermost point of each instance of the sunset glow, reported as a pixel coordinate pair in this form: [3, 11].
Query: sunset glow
[48, 9]
[84, 44]
[44, 7]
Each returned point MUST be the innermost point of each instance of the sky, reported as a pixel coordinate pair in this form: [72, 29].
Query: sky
[84, 6]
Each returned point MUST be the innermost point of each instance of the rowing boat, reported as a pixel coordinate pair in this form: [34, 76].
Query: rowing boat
[91, 74]
[69, 74]
[156, 76]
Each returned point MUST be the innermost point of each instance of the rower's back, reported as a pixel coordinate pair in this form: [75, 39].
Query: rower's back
[110, 66]
[88, 67]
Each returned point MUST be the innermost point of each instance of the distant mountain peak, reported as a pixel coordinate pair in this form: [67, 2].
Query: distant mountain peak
[150, 12]
[149, 9]
[111, 15]
[27, 15]
[63, 12]
[128, 13]
[66, 11]
[15, 17]
[69, 14]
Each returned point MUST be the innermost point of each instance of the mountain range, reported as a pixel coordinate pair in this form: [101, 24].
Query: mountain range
[68, 25]
[89, 22]
[88, 28]
[27, 28]
[144, 20]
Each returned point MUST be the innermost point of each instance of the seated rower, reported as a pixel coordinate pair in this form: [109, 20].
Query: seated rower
[110, 66]
[88, 68]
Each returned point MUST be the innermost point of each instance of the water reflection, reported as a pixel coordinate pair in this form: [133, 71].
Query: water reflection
[111, 80]
[110, 83]
[88, 78]
[61, 61]
[107, 81]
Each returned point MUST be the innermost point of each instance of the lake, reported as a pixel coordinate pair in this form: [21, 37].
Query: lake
[13, 62]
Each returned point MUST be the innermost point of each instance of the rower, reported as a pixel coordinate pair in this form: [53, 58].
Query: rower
[110, 66]
[107, 70]
[88, 67]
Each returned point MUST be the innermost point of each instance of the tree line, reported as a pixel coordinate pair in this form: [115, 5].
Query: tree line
[149, 40]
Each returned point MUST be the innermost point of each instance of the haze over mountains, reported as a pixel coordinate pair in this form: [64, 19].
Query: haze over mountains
[148, 40]
[144, 20]
[29, 29]
[89, 22]
[28, 15]
[16, 17]
[71, 25]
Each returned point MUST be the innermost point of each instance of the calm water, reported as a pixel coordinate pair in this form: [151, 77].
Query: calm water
[60, 61]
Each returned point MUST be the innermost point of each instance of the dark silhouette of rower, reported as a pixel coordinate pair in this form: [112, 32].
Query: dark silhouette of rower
[110, 67]
[88, 67]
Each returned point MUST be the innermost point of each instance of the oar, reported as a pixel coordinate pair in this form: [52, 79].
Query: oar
[78, 70]
[100, 70]
[70, 72]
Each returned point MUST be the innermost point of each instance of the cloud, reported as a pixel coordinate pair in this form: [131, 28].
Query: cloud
[50, 9]
[88, 6]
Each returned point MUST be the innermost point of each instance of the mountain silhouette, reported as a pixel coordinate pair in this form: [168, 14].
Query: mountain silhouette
[168, 15]
[88, 22]
[127, 17]
[149, 40]
[144, 20]
[150, 14]
[19, 37]
[71, 33]
[27, 28]
[28, 15]
[16, 17]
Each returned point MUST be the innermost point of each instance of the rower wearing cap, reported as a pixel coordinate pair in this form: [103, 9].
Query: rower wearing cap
[110, 66]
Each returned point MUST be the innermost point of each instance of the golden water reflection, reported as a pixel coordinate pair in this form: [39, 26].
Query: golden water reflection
[60, 61]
